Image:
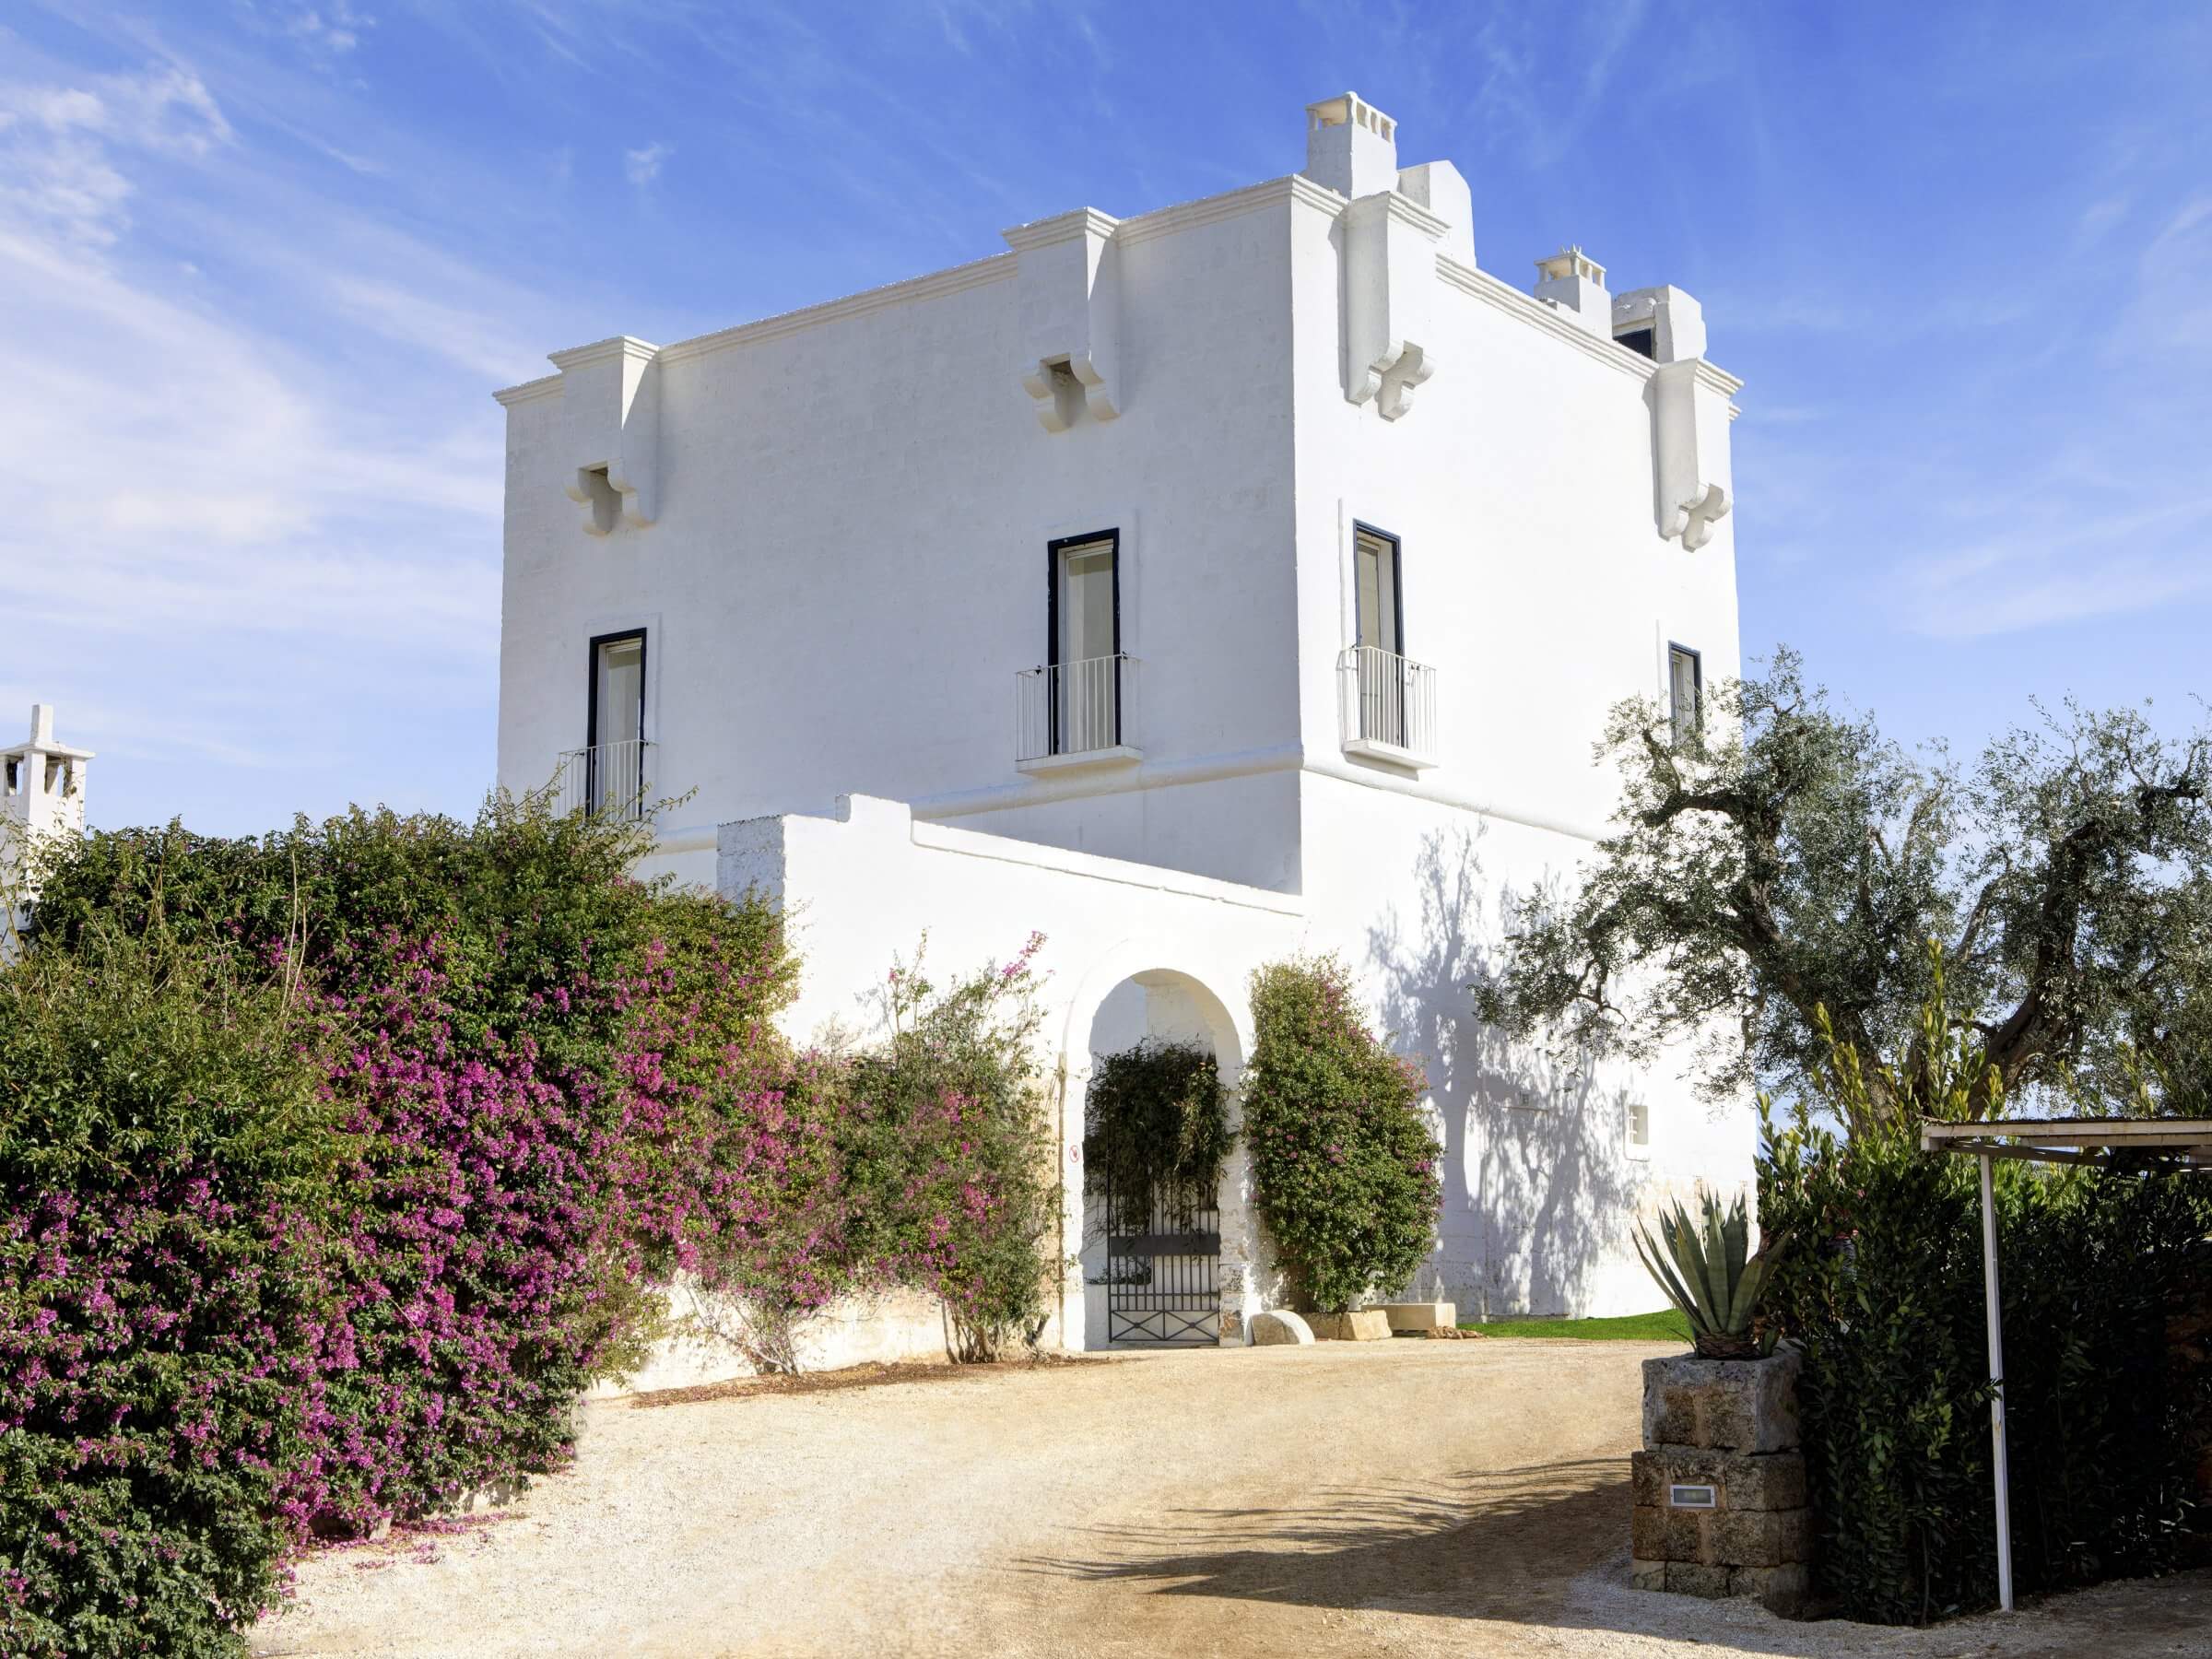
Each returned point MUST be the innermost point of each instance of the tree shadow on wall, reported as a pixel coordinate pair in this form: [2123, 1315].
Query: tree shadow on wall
[1538, 1190]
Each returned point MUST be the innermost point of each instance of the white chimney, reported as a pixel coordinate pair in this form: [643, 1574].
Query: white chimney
[1575, 283]
[1351, 146]
[42, 794]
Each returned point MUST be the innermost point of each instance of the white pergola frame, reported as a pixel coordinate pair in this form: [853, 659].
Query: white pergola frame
[2135, 1145]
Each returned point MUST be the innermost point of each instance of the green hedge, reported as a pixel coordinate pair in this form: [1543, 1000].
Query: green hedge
[1344, 1162]
[1882, 1288]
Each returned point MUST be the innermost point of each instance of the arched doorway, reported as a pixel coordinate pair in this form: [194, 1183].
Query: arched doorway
[1163, 1269]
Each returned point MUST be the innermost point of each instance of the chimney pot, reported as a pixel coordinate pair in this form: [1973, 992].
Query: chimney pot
[1351, 146]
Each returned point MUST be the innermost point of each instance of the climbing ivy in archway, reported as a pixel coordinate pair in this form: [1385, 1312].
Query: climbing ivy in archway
[1156, 1121]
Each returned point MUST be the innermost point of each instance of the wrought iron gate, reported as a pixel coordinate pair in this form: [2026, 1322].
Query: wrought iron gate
[1163, 1268]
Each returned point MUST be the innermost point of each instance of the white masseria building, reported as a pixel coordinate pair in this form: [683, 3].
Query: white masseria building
[1243, 577]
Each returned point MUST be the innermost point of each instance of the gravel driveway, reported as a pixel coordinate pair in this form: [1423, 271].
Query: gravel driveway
[1403, 1497]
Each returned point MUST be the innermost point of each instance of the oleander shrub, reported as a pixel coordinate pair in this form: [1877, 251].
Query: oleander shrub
[1156, 1120]
[1344, 1160]
[947, 1151]
[1882, 1290]
[167, 1142]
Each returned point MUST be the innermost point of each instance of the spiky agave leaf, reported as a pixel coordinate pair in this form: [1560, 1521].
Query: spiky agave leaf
[1708, 1269]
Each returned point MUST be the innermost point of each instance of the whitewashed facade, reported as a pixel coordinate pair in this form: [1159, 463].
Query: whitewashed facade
[1245, 576]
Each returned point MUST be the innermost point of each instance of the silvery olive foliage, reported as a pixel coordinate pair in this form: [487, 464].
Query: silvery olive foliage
[1788, 859]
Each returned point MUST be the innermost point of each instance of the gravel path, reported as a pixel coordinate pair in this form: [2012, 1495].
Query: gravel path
[1404, 1497]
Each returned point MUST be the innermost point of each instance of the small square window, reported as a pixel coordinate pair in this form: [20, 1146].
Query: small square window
[1640, 1128]
[1685, 691]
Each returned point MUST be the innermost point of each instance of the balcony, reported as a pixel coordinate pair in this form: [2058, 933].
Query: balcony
[607, 777]
[1073, 714]
[1389, 707]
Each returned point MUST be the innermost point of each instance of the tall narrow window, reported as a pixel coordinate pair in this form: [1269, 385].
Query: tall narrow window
[615, 741]
[1686, 691]
[1085, 678]
[1381, 621]
[1640, 1128]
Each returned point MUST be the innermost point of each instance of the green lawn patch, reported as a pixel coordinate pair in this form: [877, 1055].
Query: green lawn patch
[1667, 1325]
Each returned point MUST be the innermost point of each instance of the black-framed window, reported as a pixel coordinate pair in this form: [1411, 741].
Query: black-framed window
[615, 691]
[1083, 641]
[1379, 591]
[1685, 691]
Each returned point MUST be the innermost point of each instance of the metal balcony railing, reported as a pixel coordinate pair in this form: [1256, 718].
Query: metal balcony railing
[606, 777]
[1389, 704]
[1070, 707]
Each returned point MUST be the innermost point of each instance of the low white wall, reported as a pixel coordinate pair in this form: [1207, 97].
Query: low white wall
[889, 1327]
[1541, 1185]
[1171, 952]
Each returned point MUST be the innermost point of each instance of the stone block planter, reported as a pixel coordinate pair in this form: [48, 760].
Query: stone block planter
[1361, 1324]
[1421, 1318]
[1279, 1325]
[1719, 1487]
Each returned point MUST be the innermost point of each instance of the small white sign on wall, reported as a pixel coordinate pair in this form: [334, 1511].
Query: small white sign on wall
[1693, 1497]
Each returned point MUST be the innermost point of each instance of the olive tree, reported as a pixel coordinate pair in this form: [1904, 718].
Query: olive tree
[1785, 862]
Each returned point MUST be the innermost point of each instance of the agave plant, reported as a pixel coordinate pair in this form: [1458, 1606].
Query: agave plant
[1711, 1275]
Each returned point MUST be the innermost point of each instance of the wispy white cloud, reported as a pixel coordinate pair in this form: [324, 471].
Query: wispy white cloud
[641, 167]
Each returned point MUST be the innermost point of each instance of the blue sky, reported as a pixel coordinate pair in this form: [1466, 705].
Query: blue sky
[262, 263]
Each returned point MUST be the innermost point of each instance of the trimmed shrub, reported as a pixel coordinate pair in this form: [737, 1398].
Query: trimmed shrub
[1344, 1162]
[1882, 1289]
[1156, 1120]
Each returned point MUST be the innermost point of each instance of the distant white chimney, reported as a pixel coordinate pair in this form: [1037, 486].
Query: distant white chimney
[42, 794]
[1575, 283]
[1351, 146]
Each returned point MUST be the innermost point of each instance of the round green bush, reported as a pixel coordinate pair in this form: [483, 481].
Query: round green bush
[1344, 1162]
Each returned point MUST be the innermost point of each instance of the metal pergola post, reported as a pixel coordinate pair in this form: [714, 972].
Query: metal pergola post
[2142, 1145]
[1996, 1383]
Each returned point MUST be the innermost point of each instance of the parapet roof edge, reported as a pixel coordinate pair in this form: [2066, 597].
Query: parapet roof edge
[1470, 279]
[1138, 228]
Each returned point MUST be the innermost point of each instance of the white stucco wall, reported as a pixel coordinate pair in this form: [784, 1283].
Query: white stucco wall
[837, 541]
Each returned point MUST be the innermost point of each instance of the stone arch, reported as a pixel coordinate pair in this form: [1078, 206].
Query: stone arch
[1129, 993]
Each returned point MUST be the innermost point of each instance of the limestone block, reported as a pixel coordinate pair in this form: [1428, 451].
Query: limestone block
[1361, 1324]
[1278, 1326]
[1670, 1534]
[1690, 1577]
[1762, 1538]
[1722, 1405]
[1782, 1589]
[1421, 1316]
[1647, 1575]
[1770, 1481]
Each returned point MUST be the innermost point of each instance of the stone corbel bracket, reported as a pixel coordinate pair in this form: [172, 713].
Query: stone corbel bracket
[610, 395]
[1070, 310]
[1390, 245]
[1690, 411]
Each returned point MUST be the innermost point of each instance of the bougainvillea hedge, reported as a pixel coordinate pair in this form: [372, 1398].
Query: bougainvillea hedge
[335, 1164]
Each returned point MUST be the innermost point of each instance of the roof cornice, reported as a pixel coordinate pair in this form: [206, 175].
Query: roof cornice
[1232, 204]
[999, 267]
[599, 352]
[1060, 228]
[528, 392]
[1510, 299]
